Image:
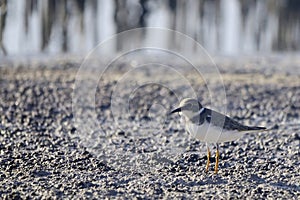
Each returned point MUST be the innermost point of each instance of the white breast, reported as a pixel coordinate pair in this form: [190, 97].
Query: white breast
[211, 134]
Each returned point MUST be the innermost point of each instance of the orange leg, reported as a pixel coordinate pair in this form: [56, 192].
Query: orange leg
[208, 159]
[217, 160]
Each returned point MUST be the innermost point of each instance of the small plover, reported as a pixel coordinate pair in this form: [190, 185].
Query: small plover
[210, 126]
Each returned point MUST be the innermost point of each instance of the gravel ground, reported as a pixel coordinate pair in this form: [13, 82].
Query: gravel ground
[142, 152]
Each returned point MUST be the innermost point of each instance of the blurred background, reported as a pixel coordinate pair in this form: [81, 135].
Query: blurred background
[224, 27]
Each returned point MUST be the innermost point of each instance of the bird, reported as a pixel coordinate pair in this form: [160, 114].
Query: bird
[210, 126]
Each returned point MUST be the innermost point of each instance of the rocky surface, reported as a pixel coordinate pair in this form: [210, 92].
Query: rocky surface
[141, 151]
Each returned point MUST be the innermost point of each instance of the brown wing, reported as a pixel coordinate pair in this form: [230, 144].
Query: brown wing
[221, 120]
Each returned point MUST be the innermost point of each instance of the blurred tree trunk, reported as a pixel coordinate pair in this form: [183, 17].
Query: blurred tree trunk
[30, 5]
[3, 4]
[65, 26]
[81, 5]
[48, 18]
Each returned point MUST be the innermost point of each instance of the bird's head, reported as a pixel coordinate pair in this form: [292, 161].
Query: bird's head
[188, 107]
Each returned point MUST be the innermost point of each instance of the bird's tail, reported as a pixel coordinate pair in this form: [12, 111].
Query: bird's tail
[256, 128]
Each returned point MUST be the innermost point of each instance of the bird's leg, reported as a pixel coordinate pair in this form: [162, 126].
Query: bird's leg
[217, 159]
[208, 158]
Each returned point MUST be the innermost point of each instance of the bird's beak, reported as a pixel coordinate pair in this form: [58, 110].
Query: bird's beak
[175, 111]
